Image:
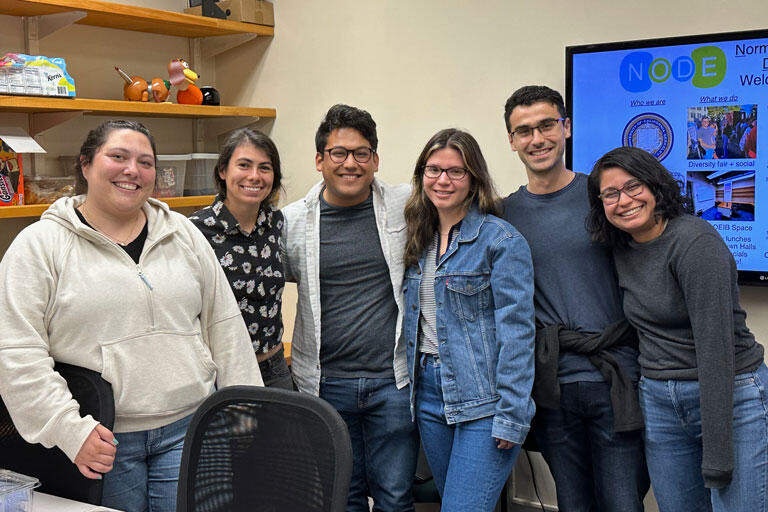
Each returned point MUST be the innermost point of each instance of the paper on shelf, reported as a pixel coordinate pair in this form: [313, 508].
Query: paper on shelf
[19, 140]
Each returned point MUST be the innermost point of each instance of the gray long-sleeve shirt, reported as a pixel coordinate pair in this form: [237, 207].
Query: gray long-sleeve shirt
[681, 293]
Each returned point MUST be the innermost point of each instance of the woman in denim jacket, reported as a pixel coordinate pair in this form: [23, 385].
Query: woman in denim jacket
[469, 324]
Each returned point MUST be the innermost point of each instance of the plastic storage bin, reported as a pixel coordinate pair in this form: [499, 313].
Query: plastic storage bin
[67, 164]
[171, 170]
[16, 491]
[47, 189]
[199, 180]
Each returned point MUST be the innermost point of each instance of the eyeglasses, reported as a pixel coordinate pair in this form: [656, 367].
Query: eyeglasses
[453, 173]
[339, 154]
[611, 195]
[546, 127]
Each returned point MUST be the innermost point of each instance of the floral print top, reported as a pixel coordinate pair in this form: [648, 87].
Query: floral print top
[252, 264]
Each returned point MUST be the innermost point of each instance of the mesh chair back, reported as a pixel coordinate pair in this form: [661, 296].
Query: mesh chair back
[57, 474]
[265, 450]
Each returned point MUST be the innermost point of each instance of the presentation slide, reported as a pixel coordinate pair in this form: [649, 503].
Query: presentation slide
[697, 108]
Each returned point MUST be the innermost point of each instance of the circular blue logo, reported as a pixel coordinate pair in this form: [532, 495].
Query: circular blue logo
[650, 132]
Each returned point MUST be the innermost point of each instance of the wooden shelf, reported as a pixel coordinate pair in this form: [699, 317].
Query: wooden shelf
[138, 19]
[33, 104]
[36, 210]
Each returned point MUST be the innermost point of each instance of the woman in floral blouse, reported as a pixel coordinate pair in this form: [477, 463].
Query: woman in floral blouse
[243, 227]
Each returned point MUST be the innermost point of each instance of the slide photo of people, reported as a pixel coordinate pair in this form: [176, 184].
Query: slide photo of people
[724, 131]
[722, 194]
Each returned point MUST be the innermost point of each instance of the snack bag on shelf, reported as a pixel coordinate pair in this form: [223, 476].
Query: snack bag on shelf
[35, 75]
[11, 177]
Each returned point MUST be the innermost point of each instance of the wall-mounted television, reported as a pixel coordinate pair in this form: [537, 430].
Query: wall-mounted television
[695, 103]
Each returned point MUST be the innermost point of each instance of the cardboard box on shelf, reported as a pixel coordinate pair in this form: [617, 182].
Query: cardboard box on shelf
[11, 177]
[259, 12]
[13, 142]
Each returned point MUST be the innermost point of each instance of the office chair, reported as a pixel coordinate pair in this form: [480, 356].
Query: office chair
[57, 474]
[261, 449]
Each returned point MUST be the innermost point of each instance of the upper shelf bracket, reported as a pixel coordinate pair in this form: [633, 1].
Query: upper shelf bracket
[41, 122]
[50, 23]
[216, 45]
[37, 28]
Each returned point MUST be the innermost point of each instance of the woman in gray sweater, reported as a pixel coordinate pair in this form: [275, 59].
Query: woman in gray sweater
[703, 381]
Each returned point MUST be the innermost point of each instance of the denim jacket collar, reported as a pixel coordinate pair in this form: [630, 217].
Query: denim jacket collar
[468, 232]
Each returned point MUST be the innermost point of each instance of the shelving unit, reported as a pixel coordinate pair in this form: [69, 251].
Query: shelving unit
[34, 104]
[36, 210]
[130, 17]
[208, 37]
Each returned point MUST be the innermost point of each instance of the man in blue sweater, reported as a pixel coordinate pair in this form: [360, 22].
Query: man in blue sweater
[590, 438]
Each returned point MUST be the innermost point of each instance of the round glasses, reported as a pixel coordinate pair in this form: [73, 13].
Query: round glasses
[611, 195]
[339, 154]
[453, 173]
[546, 127]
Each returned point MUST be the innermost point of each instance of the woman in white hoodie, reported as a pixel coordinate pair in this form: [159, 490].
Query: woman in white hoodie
[116, 282]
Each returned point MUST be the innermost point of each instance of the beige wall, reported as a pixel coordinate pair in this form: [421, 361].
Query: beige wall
[417, 66]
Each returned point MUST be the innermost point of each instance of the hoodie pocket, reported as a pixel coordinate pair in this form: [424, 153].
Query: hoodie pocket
[158, 373]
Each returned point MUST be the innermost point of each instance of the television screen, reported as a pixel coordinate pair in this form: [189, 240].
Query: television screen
[695, 103]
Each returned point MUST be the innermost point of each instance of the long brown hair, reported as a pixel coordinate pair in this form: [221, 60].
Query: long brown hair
[421, 215]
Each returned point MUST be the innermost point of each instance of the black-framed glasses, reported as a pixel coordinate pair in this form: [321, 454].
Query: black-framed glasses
[611, 195]
[453, 173]
[546, 127]
[339, 154]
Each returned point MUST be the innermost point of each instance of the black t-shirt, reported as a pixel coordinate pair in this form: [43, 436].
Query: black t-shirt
[134, 247]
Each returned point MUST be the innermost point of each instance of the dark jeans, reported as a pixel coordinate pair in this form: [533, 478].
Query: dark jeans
[384, 441]
[595, 468]
[275, 371]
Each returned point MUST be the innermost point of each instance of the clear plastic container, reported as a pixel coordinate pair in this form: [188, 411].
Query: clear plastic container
[199, 180]
[16, 491]
[67, 164]
[171, 170]
[47, 189]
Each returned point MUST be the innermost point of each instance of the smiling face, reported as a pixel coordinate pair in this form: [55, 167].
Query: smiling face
[248, 176]
[448, 196]
[635, 215]
[121, 174]
[347, 183]
[541, 154]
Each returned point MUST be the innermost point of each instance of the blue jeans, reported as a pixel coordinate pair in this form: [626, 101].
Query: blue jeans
[146, 469]
[674, 448]
[384, 441]
[594, 468]
[468, 468]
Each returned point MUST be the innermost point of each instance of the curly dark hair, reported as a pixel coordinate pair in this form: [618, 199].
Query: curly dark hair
[531, 94]
[344, 116]
[640, 164]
